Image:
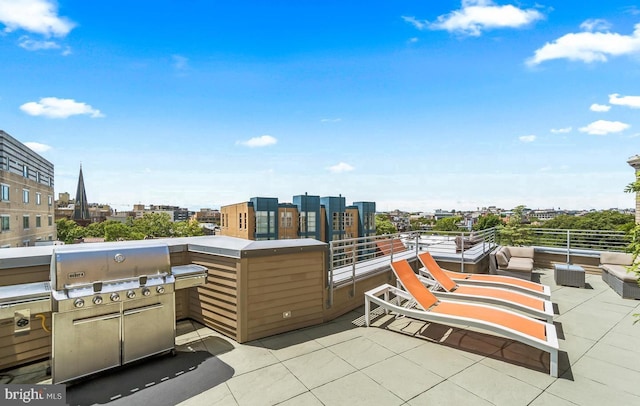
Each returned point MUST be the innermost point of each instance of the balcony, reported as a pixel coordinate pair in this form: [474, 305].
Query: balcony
[331, 358]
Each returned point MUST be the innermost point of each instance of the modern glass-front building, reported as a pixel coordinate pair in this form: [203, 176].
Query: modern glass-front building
[334, 208]
[266, 217]
[308, 216]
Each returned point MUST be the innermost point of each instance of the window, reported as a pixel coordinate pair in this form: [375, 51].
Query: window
[311, 222]
[50, 200]
[240, 221]
[265, 222]
[49, 220]
[25, 171]
[4, 223]
[303, 223]
[4, 192]
[25, 195]
[286, 219]
[348, 220]
[38, 198]
[338, 220]
[308, 222]
[25, 222]
[369, 221]
[38, 221]
[38, 177]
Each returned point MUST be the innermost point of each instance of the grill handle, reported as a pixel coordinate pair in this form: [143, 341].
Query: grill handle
[143, 309]
[96, 318]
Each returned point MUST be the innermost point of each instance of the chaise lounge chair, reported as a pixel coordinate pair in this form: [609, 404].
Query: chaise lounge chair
[497, 281]
[531, 305]
[423, 305]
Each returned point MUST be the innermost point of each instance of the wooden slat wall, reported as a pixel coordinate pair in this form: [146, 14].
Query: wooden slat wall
[481, 266]
[344, 300]
[283, 283]
[182, 303]
[34, 345]
[15, 276]
[547, 260]
[21, 349]
[215, 304]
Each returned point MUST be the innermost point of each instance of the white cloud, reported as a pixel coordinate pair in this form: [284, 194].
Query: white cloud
[588, 47]
[255, 142]
[476, 16]
[561, 130]
[180, 62]
[36, 16]
[421, 25]
[600, 108]
[330, 120]
[604, 127]
[340, 168]
[52, 107]
[38, 147]
[629, 101]
[527, 138]
[35, 45]
[595, 24]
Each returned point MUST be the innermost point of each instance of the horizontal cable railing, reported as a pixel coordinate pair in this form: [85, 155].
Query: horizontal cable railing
[356, 258]
[588, 240]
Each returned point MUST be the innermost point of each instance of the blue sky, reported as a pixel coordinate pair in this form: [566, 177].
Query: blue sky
[416, 105]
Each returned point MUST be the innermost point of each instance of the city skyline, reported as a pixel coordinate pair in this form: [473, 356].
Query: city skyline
[414, 105]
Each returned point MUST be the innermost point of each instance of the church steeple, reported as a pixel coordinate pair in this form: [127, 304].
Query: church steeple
[81, 207]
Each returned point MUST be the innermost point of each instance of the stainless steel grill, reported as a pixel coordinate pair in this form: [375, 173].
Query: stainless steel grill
[112, 306]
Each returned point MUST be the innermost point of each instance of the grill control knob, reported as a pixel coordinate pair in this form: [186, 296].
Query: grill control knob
[97, 300]
[146, 292]
[160, 289]
[78, 303]
[114, 297]
[131, 294]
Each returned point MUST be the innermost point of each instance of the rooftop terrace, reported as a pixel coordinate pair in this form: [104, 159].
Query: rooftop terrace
[398, 362]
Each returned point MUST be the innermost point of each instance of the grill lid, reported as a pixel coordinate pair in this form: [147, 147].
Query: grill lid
[72, 266]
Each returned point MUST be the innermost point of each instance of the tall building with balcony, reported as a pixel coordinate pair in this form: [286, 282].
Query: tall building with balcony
[26, 195]
[321, 218]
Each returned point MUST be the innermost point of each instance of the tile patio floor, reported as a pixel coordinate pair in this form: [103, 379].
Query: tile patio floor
[395, 363]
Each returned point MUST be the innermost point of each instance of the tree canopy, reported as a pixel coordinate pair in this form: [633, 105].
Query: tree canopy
[487, 221]
[448, 224]
[384, 225]
[515, 232]
[150, 225]
[600, 220]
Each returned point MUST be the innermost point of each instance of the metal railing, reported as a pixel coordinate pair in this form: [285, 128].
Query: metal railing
[356, 258]
[581, 242]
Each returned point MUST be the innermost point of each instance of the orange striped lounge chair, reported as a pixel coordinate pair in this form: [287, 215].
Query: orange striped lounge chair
[422, 304]
[498, 281]
[445, 287]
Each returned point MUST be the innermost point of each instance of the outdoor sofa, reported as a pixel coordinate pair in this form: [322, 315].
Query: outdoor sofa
[512, 261]
[616, 274]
